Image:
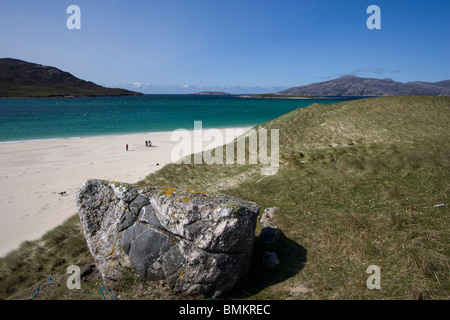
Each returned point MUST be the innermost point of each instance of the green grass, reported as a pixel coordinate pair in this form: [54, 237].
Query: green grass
[357, 186]
[23, 270]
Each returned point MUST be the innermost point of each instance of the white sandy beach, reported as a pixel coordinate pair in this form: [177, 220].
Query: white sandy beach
[33, 174]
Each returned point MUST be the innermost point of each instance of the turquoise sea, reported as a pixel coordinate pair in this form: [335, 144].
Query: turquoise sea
[50, 118]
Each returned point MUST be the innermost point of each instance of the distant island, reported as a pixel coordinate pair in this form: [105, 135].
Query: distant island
[353, 86]
[212, 93]
[24, 79]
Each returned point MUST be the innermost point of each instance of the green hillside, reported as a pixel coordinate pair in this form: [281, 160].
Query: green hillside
[358, 185]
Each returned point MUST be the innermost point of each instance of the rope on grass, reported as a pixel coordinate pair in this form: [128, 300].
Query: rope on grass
[103, 296]
[45, 284]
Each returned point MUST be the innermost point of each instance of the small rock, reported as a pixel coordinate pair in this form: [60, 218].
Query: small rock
[88, 271]
[268, 216]
[269, 235]
[270, 259]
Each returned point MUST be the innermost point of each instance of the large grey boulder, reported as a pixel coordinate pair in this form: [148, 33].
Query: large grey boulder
[200, 243]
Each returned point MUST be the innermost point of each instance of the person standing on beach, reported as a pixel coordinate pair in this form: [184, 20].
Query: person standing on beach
[146, 143]
[127, 147]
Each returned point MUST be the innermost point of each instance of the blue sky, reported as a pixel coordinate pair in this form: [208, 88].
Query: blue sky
[246, 46]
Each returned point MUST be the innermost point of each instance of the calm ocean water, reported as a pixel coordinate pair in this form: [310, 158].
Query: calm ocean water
[49, 118]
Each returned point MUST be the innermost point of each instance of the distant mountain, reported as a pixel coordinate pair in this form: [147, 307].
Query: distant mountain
[355, 86]
[24, 79]
[444, 84]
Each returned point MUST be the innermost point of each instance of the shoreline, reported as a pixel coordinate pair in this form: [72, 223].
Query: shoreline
[115, 134]
[39, 179]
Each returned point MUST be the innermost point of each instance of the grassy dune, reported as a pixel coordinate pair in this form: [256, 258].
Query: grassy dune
[357, 186]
